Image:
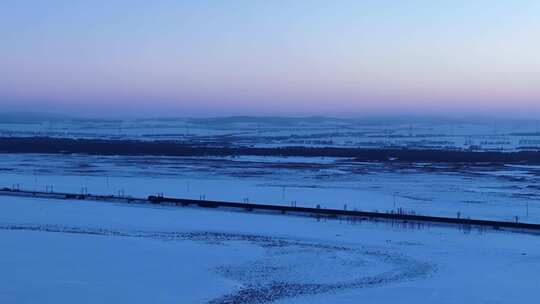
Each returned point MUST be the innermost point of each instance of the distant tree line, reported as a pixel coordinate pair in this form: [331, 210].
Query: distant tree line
[49, 145]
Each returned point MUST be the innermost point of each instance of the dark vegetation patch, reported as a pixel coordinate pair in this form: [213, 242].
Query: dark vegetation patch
[47, 145]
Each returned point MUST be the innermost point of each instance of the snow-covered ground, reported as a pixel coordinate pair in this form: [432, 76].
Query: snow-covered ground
[487, 192]
[438, 133]
[59, 251]
[89, 252]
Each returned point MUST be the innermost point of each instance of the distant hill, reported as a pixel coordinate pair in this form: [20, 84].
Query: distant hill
[30, 117]
[266, 120]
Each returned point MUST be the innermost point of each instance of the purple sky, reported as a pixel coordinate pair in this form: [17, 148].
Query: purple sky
[208, 58]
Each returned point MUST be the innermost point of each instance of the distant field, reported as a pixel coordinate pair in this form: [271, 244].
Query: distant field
[263, 132]
[478, 190]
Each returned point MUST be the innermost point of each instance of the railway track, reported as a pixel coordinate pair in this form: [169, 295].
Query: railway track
[280, 209]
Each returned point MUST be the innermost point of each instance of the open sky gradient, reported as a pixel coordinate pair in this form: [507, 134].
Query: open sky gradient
[297, 57]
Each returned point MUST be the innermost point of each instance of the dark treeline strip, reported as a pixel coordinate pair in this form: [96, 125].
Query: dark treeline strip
[47, 145]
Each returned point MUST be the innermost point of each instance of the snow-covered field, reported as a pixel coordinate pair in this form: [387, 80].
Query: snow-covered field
[437, 133]
[59, 251]
[88, 252]
[499, 192]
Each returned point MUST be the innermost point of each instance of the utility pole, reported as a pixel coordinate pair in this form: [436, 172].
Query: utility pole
[35, 181]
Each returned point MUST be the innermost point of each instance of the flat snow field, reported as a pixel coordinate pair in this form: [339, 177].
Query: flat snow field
[493, 192]
[57, 251]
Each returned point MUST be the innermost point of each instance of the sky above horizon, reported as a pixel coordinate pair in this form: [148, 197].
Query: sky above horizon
[211, 58]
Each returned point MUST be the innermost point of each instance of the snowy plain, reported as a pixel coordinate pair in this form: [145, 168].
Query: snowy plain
[58, 251]
[61, 251]
[498, 192]
[438, 133]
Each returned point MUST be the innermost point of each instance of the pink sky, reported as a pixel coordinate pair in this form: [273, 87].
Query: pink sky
[256, 57]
